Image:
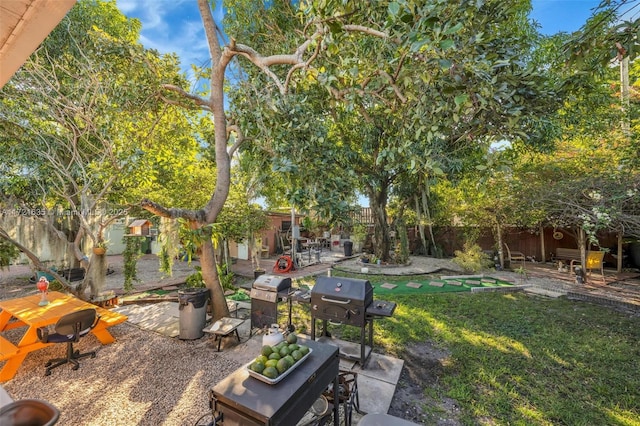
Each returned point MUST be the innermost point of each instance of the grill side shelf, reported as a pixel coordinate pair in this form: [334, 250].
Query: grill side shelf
[381, 308]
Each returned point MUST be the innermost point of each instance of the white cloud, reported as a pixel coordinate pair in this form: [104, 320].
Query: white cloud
[170, 26]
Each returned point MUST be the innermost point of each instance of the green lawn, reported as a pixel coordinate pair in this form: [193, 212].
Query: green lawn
[523, 360]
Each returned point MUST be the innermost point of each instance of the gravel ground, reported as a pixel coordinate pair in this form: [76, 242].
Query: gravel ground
[141, 379]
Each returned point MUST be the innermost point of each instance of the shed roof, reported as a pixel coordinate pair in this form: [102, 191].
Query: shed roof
[139, 222]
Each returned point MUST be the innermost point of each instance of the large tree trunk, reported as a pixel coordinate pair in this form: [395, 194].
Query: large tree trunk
[500, 244]
[382, 242]
[423, 239]
[582, 242]
[543, 248]
[210, 276]
[427, 212]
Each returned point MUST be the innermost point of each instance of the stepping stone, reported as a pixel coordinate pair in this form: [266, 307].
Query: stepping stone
[474, 282]
[414, 285]
[454, 282]
[388, 286]
[489, 280]
[436, 283]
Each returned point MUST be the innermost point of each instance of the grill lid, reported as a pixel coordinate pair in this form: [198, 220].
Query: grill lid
[344, 288]
[272, 283]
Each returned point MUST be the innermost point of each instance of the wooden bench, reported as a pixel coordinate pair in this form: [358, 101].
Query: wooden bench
[567, 254]
[7, 349]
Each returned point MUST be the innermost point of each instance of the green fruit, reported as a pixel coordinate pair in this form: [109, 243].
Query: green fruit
[271, 363]
[281, 345]
[258, 367]
[292, 338]
[263, 359]
[275, 356]
[296, 355]
[293, 347]
[303, 349]
[266, 350]
[290, 360]
[284, 352]
[275, 349]
[270, 372]
[282, 366]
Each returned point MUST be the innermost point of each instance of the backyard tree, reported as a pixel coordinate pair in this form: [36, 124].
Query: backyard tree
[420, 86]
[590, 183]
[82, 125]
[302, 52]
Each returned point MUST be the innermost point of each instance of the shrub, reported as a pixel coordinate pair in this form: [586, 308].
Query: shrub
[8, 252]
[472, 259]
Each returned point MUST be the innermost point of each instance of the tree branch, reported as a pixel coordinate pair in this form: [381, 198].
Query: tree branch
[203, 103]
[172, 213]
[239, 138]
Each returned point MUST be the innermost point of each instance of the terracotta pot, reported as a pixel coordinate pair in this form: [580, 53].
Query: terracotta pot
[99, 251]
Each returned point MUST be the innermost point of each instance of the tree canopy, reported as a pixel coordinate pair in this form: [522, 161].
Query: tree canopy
[85, 129]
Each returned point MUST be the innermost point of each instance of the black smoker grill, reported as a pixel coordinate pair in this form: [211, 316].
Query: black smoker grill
[347, 301]
[266, 292]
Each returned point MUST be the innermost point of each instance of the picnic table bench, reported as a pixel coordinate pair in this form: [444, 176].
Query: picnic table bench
[26, 312]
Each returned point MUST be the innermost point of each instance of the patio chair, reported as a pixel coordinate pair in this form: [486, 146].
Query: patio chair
[515, 256]
[69, 329]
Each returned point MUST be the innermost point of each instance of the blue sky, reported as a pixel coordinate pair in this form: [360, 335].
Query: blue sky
[175, 25]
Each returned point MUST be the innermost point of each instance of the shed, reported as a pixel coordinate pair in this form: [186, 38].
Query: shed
[139, 227]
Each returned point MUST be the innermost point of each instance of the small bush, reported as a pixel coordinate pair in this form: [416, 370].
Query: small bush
[226, 277]
[195, 280]
[8, 252]
[472, 259]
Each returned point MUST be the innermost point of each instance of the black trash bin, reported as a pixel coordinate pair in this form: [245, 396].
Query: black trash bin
[348, 248]
[193, 312]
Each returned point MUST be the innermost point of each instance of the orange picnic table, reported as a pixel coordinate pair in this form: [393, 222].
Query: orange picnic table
[26, 312]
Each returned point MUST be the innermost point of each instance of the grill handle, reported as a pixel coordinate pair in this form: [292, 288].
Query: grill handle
[330, 300]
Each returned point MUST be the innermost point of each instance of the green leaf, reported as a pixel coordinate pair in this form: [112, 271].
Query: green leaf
[447, 44]
[457, 27]
[461, 99]
[394, 8]
[417, 45]
[445, 64]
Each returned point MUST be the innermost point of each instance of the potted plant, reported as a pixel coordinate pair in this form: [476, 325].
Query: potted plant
[100, 248]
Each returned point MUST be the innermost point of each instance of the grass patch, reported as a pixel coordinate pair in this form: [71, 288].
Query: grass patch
[424, 285]
[523, 360]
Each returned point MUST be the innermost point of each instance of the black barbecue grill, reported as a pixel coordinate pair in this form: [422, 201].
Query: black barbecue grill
[341, 300]
[266, 292]
[347, 301]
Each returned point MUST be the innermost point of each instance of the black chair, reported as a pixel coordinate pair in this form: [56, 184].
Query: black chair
[69, 329]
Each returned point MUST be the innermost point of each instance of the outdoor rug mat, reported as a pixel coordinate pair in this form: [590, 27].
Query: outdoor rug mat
[443, 285]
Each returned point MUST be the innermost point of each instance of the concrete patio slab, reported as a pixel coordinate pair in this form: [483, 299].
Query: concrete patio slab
[162, 317]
